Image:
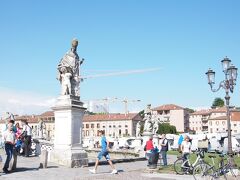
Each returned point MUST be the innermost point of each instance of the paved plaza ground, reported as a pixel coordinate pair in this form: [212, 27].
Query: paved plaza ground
[27, 169]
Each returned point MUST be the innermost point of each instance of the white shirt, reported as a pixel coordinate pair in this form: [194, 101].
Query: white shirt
[9, 136]
[186, 146]
[28, 129]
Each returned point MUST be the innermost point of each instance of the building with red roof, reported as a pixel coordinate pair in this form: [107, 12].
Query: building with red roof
[114, 125]
[174, 115]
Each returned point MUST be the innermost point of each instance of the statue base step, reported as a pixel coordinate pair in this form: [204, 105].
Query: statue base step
[72, 158]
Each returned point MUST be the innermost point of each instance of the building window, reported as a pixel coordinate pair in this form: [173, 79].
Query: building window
[126, 131]
[234, 124]
[103, 126]
[98, 125]
[217, 129]
[87, 125]
[92, 125]
[114, 126]
[120, 132]
[119, 126]
[210, 123]
[126, 126]
[217, 123]
[211, 130]
[196, 128]
[87, 133]
[223, 123]
[110, 126]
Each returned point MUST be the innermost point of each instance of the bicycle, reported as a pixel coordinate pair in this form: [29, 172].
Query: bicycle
[183, 166]
[210, 172]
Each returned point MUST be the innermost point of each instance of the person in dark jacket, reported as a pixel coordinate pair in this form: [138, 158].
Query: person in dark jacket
[164, 149]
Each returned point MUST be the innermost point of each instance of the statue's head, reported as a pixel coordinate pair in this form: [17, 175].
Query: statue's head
[63, 69]
[74, 43]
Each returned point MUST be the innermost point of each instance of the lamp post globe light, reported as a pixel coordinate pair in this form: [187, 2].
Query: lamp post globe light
[227, 84]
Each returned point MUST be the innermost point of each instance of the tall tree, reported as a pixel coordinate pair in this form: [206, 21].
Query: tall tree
[166, 128]
[218, 102]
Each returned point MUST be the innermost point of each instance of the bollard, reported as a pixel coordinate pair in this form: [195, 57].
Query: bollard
[43, 159]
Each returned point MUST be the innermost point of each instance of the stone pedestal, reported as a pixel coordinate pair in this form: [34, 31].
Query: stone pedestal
[137, 143]
[155, 140]
[68, 149]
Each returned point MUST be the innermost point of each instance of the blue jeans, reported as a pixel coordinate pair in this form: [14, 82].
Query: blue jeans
[9, 152]
[164, 157]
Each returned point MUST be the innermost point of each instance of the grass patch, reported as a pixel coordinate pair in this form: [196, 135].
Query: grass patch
[166, 169]
[193, 157]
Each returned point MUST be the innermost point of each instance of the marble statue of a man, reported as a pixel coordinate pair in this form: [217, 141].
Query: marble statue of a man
[155, 125]
[138, 129]
[148, 123]
[66, 82]
[68, 69]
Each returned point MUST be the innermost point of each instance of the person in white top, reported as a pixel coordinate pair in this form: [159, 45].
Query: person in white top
[27, 133]
[9, 141]
[186, 147]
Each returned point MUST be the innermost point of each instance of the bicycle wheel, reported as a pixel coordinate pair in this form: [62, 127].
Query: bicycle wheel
[203, 171]
[228, 169]
[179, 166]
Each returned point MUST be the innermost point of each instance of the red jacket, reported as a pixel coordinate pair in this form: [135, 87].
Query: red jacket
[149, 145]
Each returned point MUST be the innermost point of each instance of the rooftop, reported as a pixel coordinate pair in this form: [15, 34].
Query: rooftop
[168, 107]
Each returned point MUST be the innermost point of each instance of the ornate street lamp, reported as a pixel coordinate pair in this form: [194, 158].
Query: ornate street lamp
[227, 84]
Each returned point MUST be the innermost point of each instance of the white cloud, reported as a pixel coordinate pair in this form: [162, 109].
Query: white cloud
[18, 102]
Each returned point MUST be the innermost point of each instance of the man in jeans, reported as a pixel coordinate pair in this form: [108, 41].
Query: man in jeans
[103, 152]
[9, 141]
[164, 149]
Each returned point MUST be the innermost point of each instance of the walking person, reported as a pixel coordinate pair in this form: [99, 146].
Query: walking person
[27, 134]
[164, 149]
[103, 152]
[9, 141]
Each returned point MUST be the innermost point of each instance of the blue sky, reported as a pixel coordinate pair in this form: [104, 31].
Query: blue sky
[183, 38]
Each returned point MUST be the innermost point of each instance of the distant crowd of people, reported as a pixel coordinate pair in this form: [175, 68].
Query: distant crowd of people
[162, 148]
[16, 138]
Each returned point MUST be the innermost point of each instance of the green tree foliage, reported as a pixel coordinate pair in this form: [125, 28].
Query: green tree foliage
[142, 128]
[141, 113]
[218, 102]
[190, 110]
[166, 128]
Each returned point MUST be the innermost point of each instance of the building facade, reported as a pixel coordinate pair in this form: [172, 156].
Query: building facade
[214, 121]
[114, 125]
[198, 121]
[219, 124]
[174, 115]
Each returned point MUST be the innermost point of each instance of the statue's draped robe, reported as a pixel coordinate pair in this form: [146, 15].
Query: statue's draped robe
[71, 62]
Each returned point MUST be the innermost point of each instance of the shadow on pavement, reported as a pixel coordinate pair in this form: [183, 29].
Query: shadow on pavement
[22, 169]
